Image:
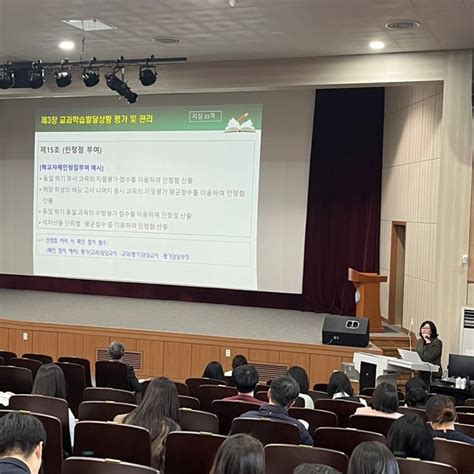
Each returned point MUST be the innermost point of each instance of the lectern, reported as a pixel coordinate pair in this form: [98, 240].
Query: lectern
[368, 297]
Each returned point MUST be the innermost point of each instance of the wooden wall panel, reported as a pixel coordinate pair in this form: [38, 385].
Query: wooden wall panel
[295, 358]
[152, 357]
[322, 366]
[177, 360]
[45, 342]
[227, 361]
[4, 343]
[91, 344]
[265, 356]
[201, 355]
[17, 344]
[70, 345]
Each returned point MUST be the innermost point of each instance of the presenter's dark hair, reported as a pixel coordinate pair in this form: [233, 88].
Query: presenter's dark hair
[372, 457]
[431, 324]
[214, 371]
[301, 377]
[339, 382]
[50, 382]
[385, 398]
[284, 390]
[245, 378]
[410, 437]
[239, 360]
[20, 433]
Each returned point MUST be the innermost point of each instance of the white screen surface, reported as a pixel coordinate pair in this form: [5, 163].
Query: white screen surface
[166, 195]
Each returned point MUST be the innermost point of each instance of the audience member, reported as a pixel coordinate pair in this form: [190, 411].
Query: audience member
[314, 469]
[441, 414]
[158, 412]
[340, 387]
[282, 394]
[239, 454]
[214, 371]
[22, 438]
[245, 379]
[237, 361]
[410, 437]
[372, 457]
[116, 352]
[301, 377]
[50, 382]
[384, 402]
[415, 393]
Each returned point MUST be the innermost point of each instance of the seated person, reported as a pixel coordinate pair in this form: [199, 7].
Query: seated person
[282, 394]
[415, 393]
[21, 443]
[340, 387]
[441, 414]
[116, 352]
[301, 377]
[410, 437]
[245, 379]
[372, 457]
[238, 360]
[214, 371]
[384, 402]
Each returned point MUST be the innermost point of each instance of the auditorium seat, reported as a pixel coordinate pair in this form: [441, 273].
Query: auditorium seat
[111, 440]
[190, 452]
[189, 402]
[466, 429]
[315, 418]
[84, 362]
[344, 439]
[456, 454]
[43, 358]
[182, 388]
[416, 466]
[2, 361]
[469, 402]
[321, 387]
[263, 396]
[77, 465]
[103, 411]
[260, 387]
[284, 458]
[466, 418]
[227, 410]
[465, 409]
[342, 408]
[266, 430]
[30, 364]
[317, 394]
[193, 384]
[111, 374]
[417, 411]
[108, 394]
[378, 424]
[208, 393]
[196, 420]
[75, 378]
[15, 379]
[7, 355]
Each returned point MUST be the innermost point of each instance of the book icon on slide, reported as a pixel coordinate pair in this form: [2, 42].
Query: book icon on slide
[238, 125]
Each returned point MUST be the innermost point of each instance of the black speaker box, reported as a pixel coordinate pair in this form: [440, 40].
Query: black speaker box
[346, 331]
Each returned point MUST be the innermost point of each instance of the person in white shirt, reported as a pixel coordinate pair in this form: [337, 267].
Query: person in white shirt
[384, 402]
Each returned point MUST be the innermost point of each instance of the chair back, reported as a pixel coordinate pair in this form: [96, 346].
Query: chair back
[469, 402]
[227, 410]
[315, 418]
[193, 384]
[416, 466]
[80, 361]
[108, 394]
[75, 378]
[262, 396]
[7, 355]
[456, 454]
[378, 424]
[43, 358]
[196, 420]
[417, 411]
[468, 430]
[208, 393]
[266, 430]
[191, 453]
[284, 458]
[317, 394]
[76, 465]
[464, 409]
[111, 374]
[30, 364]
[189, 402]
[466, 418]
[112, 440]
[103, 411]
[182, 388]
[344, 439]
[342, 408]
[15, 379]
[321, 387]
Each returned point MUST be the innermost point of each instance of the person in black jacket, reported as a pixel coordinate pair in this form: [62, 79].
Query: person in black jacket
[430, 348]
[21, 444]
[116, 352]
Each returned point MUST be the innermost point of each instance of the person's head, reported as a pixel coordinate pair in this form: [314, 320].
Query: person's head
[440, 411]
[50, 382]
[339, 382]
[429, 328]
[116, 350]
[159, 405]
[410, 437]
[314, 469]
[372, 457]
[239, 454]
[245, 378]
[22, 436]
[239, 360]
[283, 391]
[415, 392]
[301, 377]
[385, 398]
[214, 370]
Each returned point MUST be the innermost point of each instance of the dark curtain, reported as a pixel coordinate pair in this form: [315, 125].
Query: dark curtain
[343, 223]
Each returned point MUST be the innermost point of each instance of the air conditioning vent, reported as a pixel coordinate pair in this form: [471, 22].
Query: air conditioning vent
[130, 358]
[466, 339]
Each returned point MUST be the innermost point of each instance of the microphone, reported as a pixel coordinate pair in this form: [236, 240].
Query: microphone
[409, 333]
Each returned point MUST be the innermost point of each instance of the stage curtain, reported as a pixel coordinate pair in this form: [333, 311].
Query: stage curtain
[343, 223]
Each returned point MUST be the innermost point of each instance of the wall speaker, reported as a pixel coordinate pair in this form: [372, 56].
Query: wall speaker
[346, 331]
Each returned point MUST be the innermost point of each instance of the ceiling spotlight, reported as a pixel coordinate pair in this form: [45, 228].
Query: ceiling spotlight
[63, 76]
[147, 73]
[36, 75]
[7, 78]
[90, 75]
[67, 45]
[377, 45]
[232, 3]
[119, 86]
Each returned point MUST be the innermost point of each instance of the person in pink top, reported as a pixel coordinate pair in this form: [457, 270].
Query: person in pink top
[246, 379]
[384, 402]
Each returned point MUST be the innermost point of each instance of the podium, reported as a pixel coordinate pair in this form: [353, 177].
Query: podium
[368, 297]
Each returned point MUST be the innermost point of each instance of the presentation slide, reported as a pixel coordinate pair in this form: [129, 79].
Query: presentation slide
[163, 195]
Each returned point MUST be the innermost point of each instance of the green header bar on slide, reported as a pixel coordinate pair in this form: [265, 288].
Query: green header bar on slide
[229, 118]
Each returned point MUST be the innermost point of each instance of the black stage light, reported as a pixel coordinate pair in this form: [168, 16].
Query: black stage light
[63, 78]
[121, 87]
[36, 75]
[147, 75]
[90, 76]
[7, 78]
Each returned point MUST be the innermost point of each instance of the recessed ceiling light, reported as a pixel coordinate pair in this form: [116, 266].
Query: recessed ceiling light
[403, 25]
[376, 45]
[89, 24]
[166, 40]
[66, 45]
